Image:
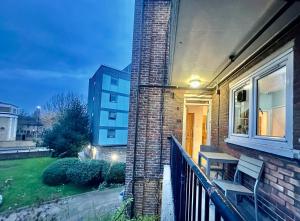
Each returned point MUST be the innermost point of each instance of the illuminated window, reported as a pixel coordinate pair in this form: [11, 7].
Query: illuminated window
[261, 107]
[271, 104]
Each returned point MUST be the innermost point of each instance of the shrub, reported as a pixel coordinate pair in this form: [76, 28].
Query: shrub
[87, 173]
[55, 173]
[116, 173]
[83, 173]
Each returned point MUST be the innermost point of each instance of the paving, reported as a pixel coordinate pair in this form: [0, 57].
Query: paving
[88, 206]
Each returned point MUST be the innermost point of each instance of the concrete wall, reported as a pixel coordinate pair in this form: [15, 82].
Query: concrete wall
[8, 127]
[105, 153]
[17, 144]
[24, 155]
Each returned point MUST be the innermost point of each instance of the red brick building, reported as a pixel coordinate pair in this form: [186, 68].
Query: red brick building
[246, 57]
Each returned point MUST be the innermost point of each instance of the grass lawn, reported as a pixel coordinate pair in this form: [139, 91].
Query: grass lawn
[21, 183]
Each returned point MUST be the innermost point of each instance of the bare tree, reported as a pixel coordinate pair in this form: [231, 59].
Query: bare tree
[56, 106]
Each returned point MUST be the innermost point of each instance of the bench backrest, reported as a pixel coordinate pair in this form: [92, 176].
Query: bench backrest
[250, 166]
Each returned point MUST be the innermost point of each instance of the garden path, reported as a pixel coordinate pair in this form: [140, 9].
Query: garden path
[87, 206]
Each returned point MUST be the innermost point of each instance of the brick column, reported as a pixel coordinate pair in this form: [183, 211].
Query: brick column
[143, 168]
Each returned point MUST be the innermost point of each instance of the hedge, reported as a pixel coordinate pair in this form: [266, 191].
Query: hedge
[116, 174]
[83, 173]
[55, 173]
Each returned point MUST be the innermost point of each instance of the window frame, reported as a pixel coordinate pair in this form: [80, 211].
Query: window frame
[112, 118]
[275, 145]
[114, 79]
[110, 130]
[232, 92]
[110, 98]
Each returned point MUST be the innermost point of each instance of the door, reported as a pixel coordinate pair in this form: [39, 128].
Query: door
[189, 133]
[204, 126]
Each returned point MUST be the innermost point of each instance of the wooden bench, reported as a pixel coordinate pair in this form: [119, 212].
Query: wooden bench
[247, 165]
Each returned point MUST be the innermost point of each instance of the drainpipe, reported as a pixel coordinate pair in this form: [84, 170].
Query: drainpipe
[162, 103]
[219, 105]
[137, 108]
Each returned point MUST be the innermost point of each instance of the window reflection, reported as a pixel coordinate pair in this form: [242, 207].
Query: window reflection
[271, 104]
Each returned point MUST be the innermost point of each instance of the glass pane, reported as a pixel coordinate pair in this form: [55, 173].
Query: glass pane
[271, 104]
[241, 110]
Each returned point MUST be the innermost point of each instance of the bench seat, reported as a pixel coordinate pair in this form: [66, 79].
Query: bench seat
[233, 187]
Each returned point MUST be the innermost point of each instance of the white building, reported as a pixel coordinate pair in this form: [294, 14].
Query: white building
[8, 121]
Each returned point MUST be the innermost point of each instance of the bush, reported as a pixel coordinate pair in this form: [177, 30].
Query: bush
[83, 173]
[87, 173]
[55, 173]
[116, 174]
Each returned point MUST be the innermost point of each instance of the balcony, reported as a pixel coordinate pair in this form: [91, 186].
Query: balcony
[195, 197]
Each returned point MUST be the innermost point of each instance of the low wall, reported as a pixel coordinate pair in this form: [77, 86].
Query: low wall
[22, 155]
[107, 153]
[17, 143]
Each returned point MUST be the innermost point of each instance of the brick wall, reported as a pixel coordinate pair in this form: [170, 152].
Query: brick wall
[148, 68]
[280, 183]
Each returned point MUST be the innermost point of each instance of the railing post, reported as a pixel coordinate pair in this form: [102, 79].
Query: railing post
[187, 178]
[206, 207]
[194, 196]
[182, 190]
[199, 200]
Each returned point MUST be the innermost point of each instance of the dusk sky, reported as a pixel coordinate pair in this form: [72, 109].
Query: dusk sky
[53, 46]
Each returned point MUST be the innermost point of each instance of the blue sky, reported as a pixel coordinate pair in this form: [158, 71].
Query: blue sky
[53, 46]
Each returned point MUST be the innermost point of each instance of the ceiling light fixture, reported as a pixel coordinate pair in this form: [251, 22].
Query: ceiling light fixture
[195, 83]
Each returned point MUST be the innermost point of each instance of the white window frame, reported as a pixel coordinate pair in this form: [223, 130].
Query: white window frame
[274, 145]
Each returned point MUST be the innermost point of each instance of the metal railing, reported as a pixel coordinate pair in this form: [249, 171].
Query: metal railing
[193, 192]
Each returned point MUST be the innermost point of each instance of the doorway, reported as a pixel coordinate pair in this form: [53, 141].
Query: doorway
[196, 126]
[189, 140]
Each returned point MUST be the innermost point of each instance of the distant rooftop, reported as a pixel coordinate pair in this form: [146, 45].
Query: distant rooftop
[7, 104]
[127, 68]
[126, 71]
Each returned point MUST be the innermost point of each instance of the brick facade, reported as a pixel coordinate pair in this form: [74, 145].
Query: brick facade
[157, 113]
[146, 148]
[280, 184]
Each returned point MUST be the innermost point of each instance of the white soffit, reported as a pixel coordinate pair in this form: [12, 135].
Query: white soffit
[208, 31]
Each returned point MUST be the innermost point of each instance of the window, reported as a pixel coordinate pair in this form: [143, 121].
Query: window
[271, 104]
[111, 133]
[261, 107]
[114, 81]
[113, 98]
[112, 115]
[241, 110]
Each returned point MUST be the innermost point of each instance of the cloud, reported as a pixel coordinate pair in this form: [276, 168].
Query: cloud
[19, 74]
[52, 46]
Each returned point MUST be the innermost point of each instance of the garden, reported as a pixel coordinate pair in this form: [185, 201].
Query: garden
[32, 181]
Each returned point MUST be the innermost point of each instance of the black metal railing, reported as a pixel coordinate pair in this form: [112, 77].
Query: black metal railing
[193, 193]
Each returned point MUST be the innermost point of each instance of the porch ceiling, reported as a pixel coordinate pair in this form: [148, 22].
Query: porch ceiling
[208, 31]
